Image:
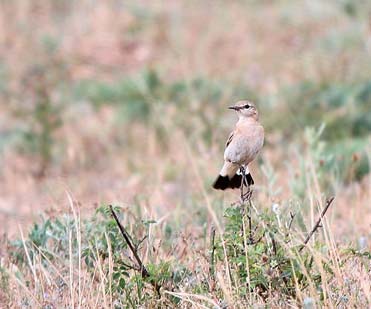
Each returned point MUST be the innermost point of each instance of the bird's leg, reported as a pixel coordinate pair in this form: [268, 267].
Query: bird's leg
[246, 196]
[242, 171]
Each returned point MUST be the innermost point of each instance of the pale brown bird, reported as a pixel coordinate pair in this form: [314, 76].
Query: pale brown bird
[242, 146]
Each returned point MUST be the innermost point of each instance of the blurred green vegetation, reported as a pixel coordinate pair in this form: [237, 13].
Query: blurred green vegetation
[197, 107]
[38, 104]
[200, 103]
[191, 105]
[338, 94]
[344, 108]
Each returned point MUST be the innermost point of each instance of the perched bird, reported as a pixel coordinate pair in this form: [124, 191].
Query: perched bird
[242, 146]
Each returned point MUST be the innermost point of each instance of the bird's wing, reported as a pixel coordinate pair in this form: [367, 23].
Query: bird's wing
[232, 147]
[230, 138]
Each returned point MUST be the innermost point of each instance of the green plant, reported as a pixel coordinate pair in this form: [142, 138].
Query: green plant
[4, 284]
[102, 246]
[264, 261]
[268, 261]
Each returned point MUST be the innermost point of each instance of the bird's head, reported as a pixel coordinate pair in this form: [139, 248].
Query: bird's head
[245, 109]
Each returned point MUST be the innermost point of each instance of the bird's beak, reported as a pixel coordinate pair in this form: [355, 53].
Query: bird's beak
[236, 108]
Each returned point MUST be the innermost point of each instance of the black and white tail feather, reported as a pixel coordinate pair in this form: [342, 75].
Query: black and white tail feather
[227, 182]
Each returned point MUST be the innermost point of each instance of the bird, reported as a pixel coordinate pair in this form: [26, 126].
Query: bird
[242, 147]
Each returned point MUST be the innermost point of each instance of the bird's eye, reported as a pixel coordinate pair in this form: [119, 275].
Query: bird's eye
[246, 106]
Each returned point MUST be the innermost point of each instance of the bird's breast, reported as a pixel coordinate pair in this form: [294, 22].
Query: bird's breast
[245, 145]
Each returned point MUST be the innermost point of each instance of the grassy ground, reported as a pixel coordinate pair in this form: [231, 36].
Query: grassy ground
[125, 104]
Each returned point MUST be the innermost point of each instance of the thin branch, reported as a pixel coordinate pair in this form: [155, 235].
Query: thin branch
[318, 223]
[140, 242]
[273, 243]
[128, 266]
[251, 238]
[134, 249]
[253, 242]
[143, 270]
[212, 255]
[292, 216]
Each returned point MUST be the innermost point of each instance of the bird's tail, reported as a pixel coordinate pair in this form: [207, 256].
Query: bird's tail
[229, 181]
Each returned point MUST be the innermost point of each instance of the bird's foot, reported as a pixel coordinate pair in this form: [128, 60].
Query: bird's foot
[245, 196]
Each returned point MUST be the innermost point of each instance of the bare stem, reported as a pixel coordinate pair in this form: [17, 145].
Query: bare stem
[134, 249]
[292, 216]
[318, 223]
[125, 234]
[212, 254]
[251, 238]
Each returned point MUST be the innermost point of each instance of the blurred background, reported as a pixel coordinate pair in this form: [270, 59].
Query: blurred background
[125, 102]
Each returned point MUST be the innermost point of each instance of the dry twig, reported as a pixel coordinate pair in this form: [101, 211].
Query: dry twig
[212, 253]
[212, 258]
[318, 223]
[292, 216]
[134, 250]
